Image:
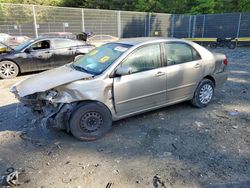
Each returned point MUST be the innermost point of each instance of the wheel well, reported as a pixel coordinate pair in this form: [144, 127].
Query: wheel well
[80, 103]
[19, 70]
[210, 78]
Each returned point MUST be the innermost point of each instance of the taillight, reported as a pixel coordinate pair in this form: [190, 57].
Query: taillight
[225, 62]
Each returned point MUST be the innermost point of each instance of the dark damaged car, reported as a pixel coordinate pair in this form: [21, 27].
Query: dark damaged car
[39, 54]
[121, 79]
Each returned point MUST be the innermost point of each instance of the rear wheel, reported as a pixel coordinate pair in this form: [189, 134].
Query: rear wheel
[203, 94]
[231, 45]
[8, 69]
[90, 121]
[213, 45]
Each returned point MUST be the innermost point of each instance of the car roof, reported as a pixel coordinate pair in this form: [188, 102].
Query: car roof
[49, 38]
[145, 40]
[59, 33]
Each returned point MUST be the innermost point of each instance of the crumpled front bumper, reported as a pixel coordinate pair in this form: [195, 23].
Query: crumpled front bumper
[52, 115]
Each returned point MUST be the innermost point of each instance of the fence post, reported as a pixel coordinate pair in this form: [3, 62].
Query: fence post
[238, 30]
[83, 23]
[119, 24]
[203, 26]
[20, 30]
[149, 24]
[34, 16]
[172, 25]
[194, 27]
[189, 26]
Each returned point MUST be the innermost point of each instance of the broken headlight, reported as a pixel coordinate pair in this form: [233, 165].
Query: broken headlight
[49, 95]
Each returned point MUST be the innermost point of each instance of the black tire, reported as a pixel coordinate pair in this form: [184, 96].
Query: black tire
[231, 45]
[200, 99]
[213, 45]
[90, 121]
[8, 69]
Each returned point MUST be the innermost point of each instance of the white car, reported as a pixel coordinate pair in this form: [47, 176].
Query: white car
[99, 40]
[4, 37]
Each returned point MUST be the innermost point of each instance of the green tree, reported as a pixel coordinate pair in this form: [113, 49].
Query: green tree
[202, 7]
[244, 6]
[165, 6]
[36, 2]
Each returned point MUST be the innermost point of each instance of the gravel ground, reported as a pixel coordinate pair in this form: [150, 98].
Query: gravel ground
[177, 146]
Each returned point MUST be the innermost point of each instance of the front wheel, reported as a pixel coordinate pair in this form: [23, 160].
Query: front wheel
[8, 69]
[90, 121]
[203, 94]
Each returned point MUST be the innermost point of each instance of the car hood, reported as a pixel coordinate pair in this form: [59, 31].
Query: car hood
[3, 53]
[48, 80]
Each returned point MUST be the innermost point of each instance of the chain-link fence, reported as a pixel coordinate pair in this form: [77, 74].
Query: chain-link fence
[33, 20]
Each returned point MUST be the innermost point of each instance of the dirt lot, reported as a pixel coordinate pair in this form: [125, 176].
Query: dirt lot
[177, 146]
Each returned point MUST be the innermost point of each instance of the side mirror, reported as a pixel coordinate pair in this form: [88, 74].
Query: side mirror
[27, 50]
[121, 71]
[78, 57]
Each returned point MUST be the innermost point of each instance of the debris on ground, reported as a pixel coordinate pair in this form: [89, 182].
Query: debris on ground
[233, 113]
[109, 185]
[198, 123]
[235, 127]
[37, 142]
[157, 183]
[116, 172]
[12, 178]
[54, 148]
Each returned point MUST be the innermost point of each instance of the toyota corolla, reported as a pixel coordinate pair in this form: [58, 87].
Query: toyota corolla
[121, 79]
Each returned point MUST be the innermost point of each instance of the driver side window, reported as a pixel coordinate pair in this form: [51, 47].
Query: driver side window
[143, 59]
[41, 45]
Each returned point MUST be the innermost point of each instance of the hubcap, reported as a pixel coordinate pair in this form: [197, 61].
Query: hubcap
[206, 94]
[7, 70]
[91, 122]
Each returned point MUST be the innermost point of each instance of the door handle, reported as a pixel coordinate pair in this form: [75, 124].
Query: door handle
[197, 65]
[159, 74]
[47, 52]
[70, 48]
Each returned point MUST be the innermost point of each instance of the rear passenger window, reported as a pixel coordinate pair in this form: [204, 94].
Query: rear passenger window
[196, 55]
[178, 53]
[63, 43]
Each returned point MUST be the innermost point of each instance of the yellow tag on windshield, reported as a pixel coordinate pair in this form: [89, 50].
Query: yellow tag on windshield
[93, 53]
[104, 59]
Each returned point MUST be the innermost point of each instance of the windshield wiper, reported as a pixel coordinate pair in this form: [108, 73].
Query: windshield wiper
[80, 69]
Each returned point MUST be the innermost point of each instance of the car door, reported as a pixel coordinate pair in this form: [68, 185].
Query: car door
[145, 87]
[38, 55]
[184, 70]
[63, 51]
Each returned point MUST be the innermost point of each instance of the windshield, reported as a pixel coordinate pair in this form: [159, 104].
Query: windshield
[23, 45]
[99, 59]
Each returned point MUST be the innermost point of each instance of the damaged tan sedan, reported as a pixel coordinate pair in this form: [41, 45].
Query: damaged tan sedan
[121, 79]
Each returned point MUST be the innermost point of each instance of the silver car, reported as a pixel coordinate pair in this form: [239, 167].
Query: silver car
[121, 79]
